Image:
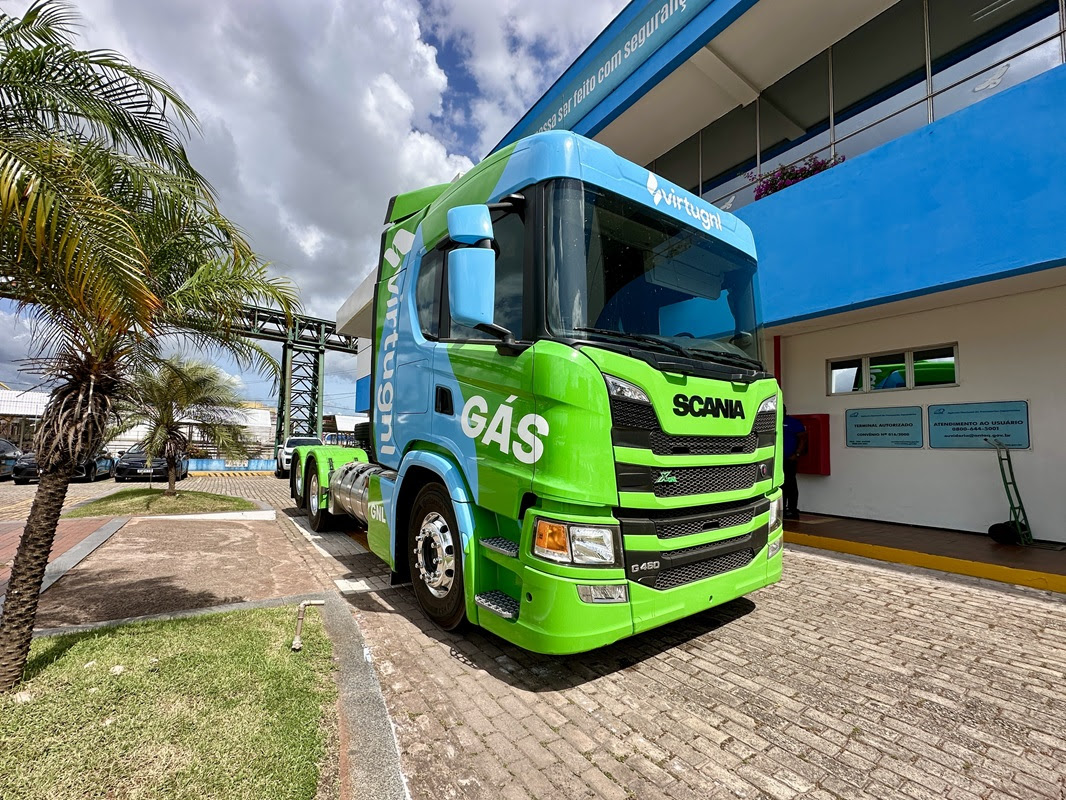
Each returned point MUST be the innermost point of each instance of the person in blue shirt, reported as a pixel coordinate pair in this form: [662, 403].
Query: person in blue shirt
[795, 446]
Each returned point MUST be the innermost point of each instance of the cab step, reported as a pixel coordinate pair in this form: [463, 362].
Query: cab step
[501, 545]
[500, 604]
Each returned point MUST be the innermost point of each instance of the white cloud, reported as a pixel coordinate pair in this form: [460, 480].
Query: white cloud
[515, 50]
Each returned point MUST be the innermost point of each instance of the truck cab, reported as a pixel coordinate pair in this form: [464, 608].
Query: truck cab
[573, 438]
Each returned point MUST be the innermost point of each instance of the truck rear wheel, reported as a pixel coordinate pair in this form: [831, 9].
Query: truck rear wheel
[296, 483]
[436, 557]
[320, 519]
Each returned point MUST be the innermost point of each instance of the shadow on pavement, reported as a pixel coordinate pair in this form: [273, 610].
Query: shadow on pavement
[105, 594]
[535, 672]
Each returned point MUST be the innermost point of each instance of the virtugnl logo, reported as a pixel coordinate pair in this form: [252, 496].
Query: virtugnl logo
[707, 219]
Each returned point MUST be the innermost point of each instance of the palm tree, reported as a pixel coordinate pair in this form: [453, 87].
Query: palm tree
[113, 245]
[174, 394]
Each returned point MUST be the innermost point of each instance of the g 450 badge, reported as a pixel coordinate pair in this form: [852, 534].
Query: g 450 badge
[666, 476]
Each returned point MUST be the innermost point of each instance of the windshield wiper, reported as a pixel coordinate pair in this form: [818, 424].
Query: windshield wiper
[729, 358]
[638, 337]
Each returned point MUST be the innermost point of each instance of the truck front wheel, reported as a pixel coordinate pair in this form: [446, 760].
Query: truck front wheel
[436, 557]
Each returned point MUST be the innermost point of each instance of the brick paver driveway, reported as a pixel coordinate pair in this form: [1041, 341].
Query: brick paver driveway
[845, 680]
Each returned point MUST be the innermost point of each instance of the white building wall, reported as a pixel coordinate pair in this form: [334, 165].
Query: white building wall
[1010, 348]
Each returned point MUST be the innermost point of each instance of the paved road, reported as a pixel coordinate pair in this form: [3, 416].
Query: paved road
[847, 679]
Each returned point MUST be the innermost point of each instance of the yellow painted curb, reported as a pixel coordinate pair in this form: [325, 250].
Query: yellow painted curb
[231, 474]
[959, 566]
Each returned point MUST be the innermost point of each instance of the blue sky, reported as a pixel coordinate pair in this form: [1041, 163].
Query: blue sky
[315, 113]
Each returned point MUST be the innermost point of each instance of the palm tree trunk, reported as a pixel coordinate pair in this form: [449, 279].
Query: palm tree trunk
[27, 575]
[172, 477]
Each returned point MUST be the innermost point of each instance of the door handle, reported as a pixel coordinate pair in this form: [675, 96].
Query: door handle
[443, 403]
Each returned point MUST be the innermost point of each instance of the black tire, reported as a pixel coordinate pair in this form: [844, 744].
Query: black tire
[296, 489]
[1004, 533]
[20, 481]
[317, 515]
[439, 589]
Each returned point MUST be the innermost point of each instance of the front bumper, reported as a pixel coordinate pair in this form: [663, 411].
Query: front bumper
[27, 472]
[553, 619]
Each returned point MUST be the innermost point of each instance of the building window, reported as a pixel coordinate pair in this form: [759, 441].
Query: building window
[902, 369]
[682, 164]
[917, 61]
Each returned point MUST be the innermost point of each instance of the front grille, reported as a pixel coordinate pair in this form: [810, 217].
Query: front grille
[671, 530]
[690, 573]
[628, 414]
[684, 551]
[663, 444]
[765, 422]
[702, 480]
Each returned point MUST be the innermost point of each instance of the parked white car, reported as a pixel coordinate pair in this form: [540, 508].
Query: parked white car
[283, 453]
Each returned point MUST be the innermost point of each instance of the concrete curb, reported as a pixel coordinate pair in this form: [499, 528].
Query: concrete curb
[265, 515]
[270, 602]
[1043, 581]
[75, 555]
[369, 755]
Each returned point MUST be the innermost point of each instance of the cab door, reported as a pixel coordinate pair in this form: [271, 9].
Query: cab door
[484, 409]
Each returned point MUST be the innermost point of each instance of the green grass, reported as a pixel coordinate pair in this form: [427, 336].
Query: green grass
[148, 502]
[209, 707]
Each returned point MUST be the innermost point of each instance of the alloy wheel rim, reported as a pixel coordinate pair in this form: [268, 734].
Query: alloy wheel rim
[435, 555]
[312, 501]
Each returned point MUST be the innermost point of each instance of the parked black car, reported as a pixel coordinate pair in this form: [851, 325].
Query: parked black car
[133, 465]
[9, 453]
[91, 469]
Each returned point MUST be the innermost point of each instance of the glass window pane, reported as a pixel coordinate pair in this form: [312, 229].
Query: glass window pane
[879, 68]
[888, 371]
[845, 376]
[983, 75]
[427, 293]
[864, 139]
[509, 232]
[961, 29]
[682, 164]
[794, 112]
[935, 367]
[729, 147]
[733, 194]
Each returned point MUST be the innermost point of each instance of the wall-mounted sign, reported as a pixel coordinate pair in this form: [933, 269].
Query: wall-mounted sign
[617, 60]
[967, 425]
[884, 427]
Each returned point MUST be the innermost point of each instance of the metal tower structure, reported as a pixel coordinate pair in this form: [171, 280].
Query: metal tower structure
[303, 364]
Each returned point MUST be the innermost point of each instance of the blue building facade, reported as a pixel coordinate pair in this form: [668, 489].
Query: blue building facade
[917, 261]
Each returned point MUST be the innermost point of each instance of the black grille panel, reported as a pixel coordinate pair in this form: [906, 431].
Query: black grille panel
[663, 444]
[671, 530]
[629, 414]
[765, 422]
[684, 551]
[701, 480]
[690, 573]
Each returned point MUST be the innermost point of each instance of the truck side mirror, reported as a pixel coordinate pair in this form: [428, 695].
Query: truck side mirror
[468, 225]
[472, 285]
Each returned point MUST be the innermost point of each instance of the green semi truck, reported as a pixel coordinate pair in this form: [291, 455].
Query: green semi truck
[573, 438]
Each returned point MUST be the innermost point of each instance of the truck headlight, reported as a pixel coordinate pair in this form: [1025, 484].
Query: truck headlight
[775, 515]
[769, 404]
[624, 390]
[775, 547]
[575, 544]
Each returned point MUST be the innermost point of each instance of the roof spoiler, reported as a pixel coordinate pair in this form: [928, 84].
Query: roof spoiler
[404, 205]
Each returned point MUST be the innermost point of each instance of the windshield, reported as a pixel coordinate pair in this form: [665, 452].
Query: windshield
[136, 450]
[300, 441]
[618, 269]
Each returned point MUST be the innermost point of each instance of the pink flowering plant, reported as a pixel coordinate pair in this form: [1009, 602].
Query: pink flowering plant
[788, 174]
